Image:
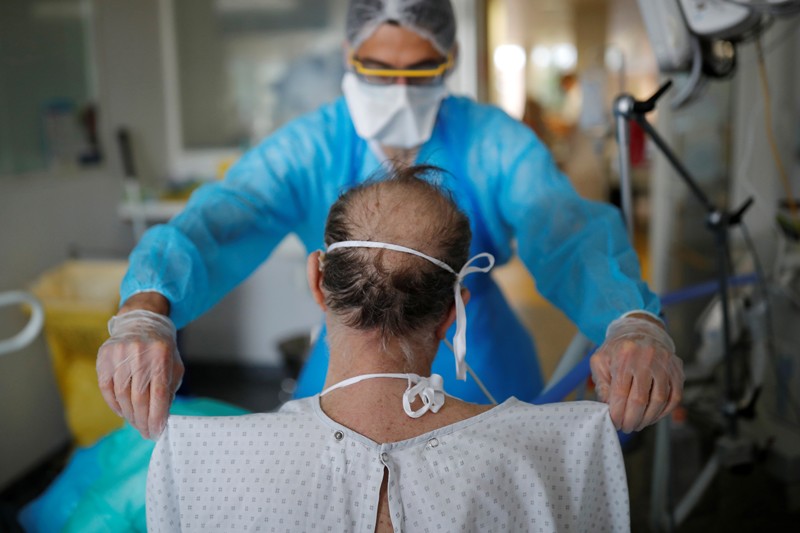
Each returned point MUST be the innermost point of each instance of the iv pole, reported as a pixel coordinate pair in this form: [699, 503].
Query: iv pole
[626, 108]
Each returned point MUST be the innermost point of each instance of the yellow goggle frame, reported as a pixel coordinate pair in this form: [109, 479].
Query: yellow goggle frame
[359, 68]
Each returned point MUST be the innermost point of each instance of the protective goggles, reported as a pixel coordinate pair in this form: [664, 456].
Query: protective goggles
[425, 75]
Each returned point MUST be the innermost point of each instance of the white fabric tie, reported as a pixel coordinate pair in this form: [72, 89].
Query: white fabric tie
[460, 338]
[430, 391]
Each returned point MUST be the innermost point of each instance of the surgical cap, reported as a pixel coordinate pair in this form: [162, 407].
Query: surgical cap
[432, 19]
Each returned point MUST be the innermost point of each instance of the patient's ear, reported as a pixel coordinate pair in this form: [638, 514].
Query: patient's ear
[441, 331]
[314, 273]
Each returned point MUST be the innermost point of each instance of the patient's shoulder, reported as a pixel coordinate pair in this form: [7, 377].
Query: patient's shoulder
[577, 417]
[576, 410]
[295, 413]
[563, 411]
[459, 409]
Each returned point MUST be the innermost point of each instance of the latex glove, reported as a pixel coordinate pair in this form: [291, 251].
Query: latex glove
[139, 369]
[637, 373]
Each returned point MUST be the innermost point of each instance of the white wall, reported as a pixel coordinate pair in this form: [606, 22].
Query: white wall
[129, 53]
[469, 20]
[274, 303]
[43, 217]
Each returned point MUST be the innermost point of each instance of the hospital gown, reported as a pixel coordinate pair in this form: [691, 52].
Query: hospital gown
[515, 467]
[500, 174]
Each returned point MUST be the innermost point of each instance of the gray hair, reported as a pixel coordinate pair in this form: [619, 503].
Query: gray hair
[401, 296]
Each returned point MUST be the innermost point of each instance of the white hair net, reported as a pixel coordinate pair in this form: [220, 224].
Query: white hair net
[432, 19]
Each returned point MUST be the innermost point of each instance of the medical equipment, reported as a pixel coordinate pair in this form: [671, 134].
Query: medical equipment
[699, 37]
[31, 329]
[672, 24]
[669, 37]
[765, 318]
[730, 448]
[719, 221]
[718, 19]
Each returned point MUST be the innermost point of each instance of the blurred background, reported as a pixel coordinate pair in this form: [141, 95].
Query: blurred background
[113, 111]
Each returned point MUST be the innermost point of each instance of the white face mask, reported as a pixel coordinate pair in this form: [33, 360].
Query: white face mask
[398, 116]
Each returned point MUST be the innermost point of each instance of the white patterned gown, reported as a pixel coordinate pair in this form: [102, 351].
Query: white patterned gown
[516, 467]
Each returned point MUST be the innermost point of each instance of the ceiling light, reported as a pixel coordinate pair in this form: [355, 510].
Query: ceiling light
[541, 56]
[565, 57]
[509, 57]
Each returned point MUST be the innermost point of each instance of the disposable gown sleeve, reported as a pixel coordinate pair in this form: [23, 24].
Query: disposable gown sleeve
[228, 228]
[577, 250]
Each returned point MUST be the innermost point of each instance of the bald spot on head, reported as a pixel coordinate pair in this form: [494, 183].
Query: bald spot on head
[395, 292]
[410, 213]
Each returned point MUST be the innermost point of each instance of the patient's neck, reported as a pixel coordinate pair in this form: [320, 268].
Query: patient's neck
[374, 407]
[354, 353]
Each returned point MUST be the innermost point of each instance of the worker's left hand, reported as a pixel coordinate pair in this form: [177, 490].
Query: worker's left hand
[637, 373]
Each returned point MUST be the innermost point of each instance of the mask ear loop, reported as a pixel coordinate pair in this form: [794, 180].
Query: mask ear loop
[460, 338]
[474, 376]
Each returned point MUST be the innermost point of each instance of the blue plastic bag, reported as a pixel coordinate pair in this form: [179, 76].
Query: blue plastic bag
[103, 487]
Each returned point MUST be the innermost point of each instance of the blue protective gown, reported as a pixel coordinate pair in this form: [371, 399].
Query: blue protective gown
[501, 175]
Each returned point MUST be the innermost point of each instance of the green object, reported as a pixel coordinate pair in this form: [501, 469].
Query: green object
[790, 226]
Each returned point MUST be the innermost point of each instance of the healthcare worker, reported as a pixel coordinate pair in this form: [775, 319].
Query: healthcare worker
[396, 110]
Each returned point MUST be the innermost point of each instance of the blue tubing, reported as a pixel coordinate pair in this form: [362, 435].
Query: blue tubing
[582, 370]
[702, 289]
[573, 378]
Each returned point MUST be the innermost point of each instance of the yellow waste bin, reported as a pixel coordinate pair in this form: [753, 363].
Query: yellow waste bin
[78, 298]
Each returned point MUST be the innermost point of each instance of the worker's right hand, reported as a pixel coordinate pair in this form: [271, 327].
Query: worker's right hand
[139, 369]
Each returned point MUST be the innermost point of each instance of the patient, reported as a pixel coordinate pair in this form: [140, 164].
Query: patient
[383, 448]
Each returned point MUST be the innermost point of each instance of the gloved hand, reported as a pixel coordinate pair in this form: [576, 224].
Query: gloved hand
[139, 369]
[637, 373]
